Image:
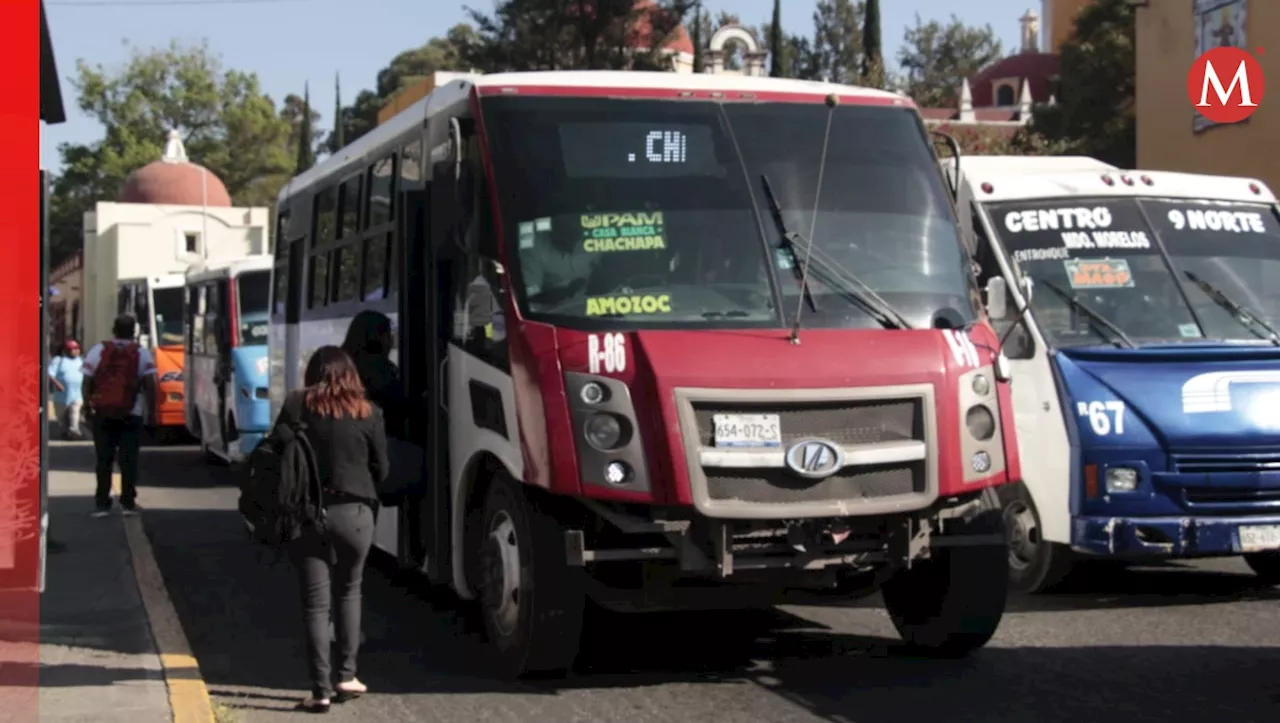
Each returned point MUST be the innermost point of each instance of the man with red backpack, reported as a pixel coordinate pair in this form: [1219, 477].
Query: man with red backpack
[119, 386]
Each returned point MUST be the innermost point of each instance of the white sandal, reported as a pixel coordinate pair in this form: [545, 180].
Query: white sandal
[350, 689]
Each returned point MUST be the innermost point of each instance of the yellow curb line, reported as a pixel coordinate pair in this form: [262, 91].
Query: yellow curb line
[188, 695]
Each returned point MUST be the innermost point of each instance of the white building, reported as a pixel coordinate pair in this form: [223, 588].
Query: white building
[170, 214]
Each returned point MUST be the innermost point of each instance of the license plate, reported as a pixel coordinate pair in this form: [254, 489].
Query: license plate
[1255, 538]
[747, 430]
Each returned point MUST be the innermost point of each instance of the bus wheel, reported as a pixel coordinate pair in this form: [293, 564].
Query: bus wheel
[1266, 565]
[1035, 565]
[532, 601]
[951, 603]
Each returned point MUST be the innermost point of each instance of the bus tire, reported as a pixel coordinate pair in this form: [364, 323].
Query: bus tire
[1035, 565]
[951, 603]
[1266, 565]
[532, 601]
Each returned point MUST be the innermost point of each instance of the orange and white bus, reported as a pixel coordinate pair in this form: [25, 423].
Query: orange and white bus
[157, 303]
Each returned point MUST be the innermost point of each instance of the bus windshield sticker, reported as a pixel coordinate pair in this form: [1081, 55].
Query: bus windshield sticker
[1098, 273]
[1215, 219]
[1189, 331]
[526, 235]
[1081, 229]
[542, 225]
[633, 304]
[631, 231]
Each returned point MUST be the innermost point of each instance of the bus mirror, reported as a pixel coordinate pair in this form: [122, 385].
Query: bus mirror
[997, 298]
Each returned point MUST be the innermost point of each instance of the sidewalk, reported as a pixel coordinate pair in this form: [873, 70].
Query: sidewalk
[99, 658]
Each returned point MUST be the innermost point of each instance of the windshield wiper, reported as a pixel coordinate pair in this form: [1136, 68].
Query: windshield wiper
[1247, 317]
[860, 293]
[788, 241]
[1096, 320]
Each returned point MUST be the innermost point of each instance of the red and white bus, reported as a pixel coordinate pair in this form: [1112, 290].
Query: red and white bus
[635, 379]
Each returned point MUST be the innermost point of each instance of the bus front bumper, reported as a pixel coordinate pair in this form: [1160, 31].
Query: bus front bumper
[1189, 536]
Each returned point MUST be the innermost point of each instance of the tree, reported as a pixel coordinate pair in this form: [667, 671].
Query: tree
[1094, 114]
[302, 137]
[990, 140]
[227, 125]
[576, 34]
[872, 53]
[937, 58]
[776, 41]
[293, 110]
[437, 54]
[837, 41]
[697, 32]
[338, 139]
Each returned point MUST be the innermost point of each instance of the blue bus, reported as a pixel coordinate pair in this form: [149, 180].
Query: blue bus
[1140, 314]
[226, 378]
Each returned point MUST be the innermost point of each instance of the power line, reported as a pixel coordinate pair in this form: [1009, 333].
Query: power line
[159, 3]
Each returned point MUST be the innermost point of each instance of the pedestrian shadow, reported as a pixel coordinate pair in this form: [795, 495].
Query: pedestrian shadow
[74, 675]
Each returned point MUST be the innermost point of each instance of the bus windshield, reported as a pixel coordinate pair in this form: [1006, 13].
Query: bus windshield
[1233, 247]
[168, 310]
[1100, 257]
[653, 214]
[253, 289]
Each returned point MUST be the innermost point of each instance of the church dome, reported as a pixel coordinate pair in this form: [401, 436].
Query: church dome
[174, 181]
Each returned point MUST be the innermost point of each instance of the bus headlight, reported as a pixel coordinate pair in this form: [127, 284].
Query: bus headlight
[980, 422]
[592, 393]
[981, 385]
[603, 431]
[1121, 479]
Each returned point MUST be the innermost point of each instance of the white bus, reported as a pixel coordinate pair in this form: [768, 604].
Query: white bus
[633, 375]
[227, 407]
[1146, 365]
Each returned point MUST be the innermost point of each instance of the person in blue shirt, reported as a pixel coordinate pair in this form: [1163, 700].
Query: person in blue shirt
[66, 374]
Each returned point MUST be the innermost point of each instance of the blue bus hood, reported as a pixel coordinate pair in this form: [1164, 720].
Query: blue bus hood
[250, 365]
[1183, 397]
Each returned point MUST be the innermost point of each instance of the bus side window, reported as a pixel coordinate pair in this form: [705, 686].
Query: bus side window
[213, 316]
[280, 273]
[197, 319]
[188, 315]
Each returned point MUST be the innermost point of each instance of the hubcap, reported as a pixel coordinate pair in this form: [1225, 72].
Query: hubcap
[500, 574]
[1024, 534]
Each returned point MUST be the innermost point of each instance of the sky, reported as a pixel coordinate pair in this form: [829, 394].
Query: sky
[289, 43]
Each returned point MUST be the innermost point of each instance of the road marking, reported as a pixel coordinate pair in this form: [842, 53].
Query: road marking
[188, 695]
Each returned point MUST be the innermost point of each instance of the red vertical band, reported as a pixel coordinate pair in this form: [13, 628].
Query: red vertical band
[20, 372]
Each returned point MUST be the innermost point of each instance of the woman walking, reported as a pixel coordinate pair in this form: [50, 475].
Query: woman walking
[350, 443]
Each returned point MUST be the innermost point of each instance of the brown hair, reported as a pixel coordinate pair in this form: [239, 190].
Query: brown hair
[333, 387]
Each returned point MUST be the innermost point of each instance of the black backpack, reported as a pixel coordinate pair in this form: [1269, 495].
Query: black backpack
[280, 491]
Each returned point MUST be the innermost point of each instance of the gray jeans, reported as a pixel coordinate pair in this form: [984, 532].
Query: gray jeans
[330, 569]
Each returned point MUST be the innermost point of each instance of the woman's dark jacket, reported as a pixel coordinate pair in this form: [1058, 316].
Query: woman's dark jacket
[381, 381]
[351, 453]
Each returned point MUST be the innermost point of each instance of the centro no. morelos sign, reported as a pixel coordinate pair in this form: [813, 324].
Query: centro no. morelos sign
[1226, 84]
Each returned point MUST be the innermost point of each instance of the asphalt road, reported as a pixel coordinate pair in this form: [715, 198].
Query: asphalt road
[1179, 642]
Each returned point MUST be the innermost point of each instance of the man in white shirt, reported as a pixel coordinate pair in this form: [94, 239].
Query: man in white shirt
[118, 391]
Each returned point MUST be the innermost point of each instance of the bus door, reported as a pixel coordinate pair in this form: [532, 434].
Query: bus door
[223, 375]
[422, 514]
